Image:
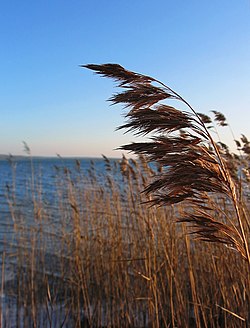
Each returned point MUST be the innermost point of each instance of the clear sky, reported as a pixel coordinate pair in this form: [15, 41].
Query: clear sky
[199, 48]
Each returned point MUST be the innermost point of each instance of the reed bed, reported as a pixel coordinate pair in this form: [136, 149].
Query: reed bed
[157, 241]
[107, 259]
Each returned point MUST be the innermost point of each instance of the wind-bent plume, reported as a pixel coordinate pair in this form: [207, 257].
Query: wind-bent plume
[180, 142]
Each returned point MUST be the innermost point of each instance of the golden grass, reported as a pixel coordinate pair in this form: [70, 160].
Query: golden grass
[101, 256]
[114, 261]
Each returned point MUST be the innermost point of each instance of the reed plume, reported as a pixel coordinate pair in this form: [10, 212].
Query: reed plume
[193, 165]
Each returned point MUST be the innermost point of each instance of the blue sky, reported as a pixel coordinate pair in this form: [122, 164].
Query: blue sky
[199, 48]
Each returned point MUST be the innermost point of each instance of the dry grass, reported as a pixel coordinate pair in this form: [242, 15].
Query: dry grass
[109, 258]
[104, 254]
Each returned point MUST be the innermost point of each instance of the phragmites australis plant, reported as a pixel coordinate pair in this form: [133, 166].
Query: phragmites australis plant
[194, 166]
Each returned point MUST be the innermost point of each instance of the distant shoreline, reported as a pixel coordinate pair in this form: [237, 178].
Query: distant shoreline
[27, 157]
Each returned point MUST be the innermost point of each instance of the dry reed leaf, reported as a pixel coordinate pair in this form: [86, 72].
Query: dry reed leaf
[230, 312]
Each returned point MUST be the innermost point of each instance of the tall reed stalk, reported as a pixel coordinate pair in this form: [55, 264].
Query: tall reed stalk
[193, 166]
